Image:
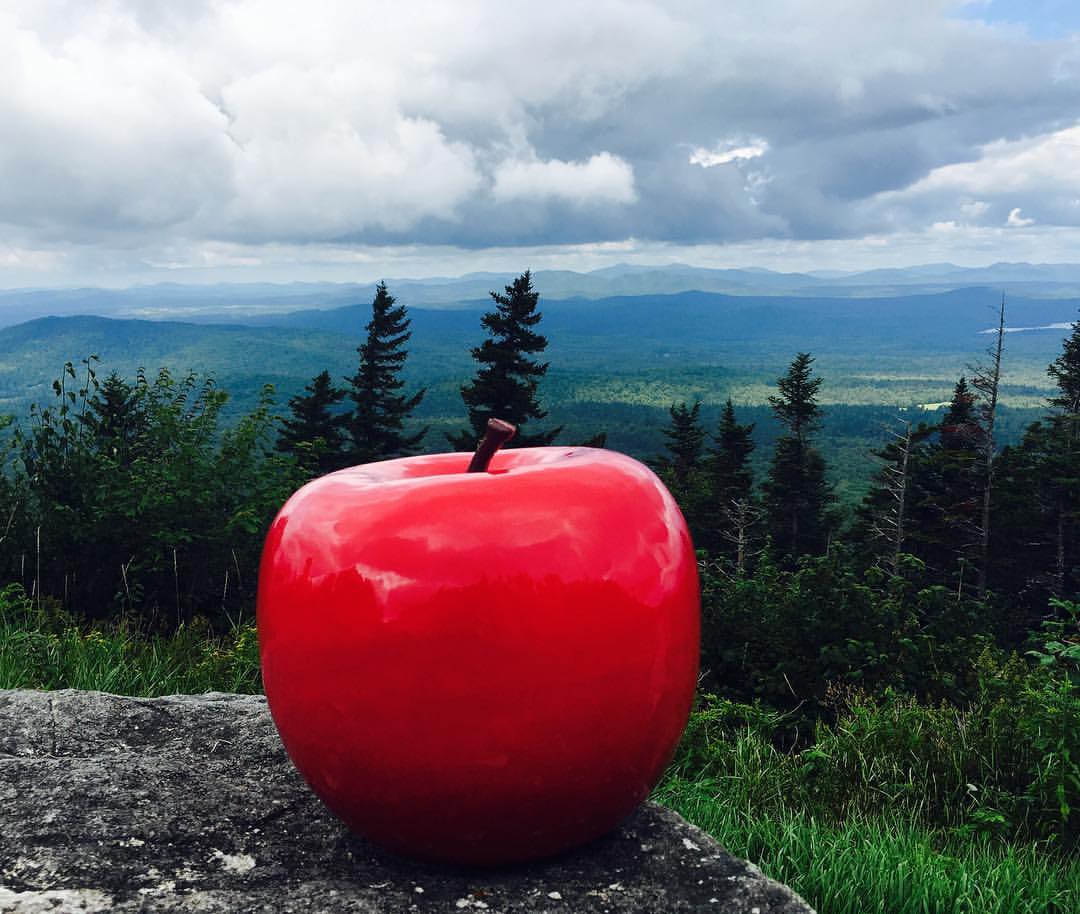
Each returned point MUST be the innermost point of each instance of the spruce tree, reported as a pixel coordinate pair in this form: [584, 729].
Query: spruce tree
[797, 495]
[375, 426]
[313, 433]
[681, 467]
[115, 419]
[948, 511]
[505, 386]
[1065, 371]
[1061, 465]
[887, 520]
[732, 515]
[1036, 549]
[729, 459]
[685, 439]
[1024, 552]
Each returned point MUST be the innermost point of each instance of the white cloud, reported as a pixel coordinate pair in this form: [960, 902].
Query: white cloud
[324, 153]
[1015, 220]
[604, 178]
[724, 153]
[149, 131]
[1014, 166]
[974, 209]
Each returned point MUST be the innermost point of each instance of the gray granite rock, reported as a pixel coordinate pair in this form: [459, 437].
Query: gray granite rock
[189, 803]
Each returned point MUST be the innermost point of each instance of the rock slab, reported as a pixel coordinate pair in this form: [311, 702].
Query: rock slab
[189, 803]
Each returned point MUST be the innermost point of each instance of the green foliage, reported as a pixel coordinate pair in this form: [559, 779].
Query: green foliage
[133, 497]
[685, 439]
[880, 863]
[887, 522]
[728, 462]
[507, 382]
[796, 404]
[783, 635]
[379, 409]
[1004, 764]
[45, 648]
[313, 433]
[796, 491]
[1065, 372]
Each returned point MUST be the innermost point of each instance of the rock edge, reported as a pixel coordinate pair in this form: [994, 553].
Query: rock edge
[189, 803]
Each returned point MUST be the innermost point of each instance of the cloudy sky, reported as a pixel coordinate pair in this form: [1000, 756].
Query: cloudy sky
[150, 140]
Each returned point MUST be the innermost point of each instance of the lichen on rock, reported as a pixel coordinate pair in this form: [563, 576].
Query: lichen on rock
[189, 803]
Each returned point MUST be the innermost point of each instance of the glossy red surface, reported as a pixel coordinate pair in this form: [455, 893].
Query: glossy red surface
[481, 667]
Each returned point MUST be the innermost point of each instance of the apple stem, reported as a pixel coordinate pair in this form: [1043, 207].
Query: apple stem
[496, 435]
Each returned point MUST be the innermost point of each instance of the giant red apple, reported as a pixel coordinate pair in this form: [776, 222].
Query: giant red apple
[481, 667]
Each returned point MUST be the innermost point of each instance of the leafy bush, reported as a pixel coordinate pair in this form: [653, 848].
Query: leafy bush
[783, 637]
[131, 497]
[1006, 764]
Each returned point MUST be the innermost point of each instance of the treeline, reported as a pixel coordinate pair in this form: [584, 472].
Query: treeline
[129, 493]
[934, 631]
[947, 508]
[948, 595]
[131, 497]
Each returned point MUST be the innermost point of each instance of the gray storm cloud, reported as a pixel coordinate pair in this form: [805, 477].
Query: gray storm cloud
[480, 124]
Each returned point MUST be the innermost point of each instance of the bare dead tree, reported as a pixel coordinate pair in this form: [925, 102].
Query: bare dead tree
[742, 516]
[890, 524]
[986, 380]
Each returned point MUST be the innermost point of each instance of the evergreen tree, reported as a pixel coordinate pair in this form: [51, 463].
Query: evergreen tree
[376, 424]
[732, 515]
[680, 467]
[505, 386]
[960, 429]
[796, 404]
[115, 419]
[685, 439]
[948, 511]
[314, 433]
[1061, 465]
[797, 495]
[729, 459]
[1035, 552]
[886, 526]
[1065, 370]
[1023, 552]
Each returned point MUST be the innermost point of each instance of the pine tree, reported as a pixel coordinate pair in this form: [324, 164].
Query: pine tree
[115, 419]
[314, 433]
[685, 439]
[797, 495]
[949, 510]
[505, 386]
[729, 458]
[887, 524]
[1036, 550]
[375, 427]
[681, 467]
[1062, 464]
[729, 514]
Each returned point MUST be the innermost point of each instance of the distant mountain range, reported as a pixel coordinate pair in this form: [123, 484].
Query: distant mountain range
[617, 361]
[752, 336]
[240, 302]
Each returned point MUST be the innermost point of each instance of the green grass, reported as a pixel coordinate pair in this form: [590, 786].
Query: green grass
[842, 853]
[44, 649]
[880, 863]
